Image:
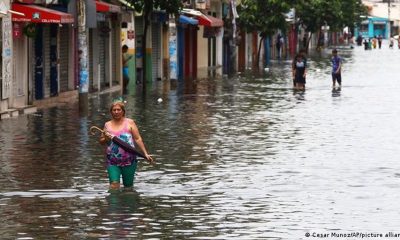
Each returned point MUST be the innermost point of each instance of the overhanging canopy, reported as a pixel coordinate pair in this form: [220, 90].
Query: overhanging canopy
[210, 21]
[187, 20]
[36, 14]
[107, 7]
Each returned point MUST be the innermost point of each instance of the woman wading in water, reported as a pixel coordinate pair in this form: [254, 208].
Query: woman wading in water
[119, 162]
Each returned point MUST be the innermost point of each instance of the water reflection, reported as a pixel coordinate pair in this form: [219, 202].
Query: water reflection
[336, 91]
[240, 158]
[300, 95]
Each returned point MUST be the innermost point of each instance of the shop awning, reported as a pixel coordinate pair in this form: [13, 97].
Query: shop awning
[210, 21]
[187, 20]
[107, 7]
[36, 14]
[129, 5]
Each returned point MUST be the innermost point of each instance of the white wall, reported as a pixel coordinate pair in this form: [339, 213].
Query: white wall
[7, 63]
[381, 9]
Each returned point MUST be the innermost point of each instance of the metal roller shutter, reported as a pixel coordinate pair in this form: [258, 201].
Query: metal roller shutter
[46, 61]
[114, 48]
[97, 58]
[156, 51]
[90, 54]
[64, 58]
[102, 58]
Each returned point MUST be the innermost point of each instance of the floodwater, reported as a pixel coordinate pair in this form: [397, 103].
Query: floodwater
[240, 158]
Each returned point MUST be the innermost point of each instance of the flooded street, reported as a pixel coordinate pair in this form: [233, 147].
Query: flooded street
[241, 158]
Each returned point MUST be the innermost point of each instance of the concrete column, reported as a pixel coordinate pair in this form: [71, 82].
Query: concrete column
[7, 61]
[83, 65]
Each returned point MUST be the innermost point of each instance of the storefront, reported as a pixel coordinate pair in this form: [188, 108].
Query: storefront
[373, 27]
[199, 45]
[39, 53]
[157, 42]
[187, 47]
[104, 44]
[210, 38]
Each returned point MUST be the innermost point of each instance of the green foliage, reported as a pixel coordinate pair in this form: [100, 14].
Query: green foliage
[30, 30]
[337, 14]
[352, 10]
[170, 6]
[264, 16]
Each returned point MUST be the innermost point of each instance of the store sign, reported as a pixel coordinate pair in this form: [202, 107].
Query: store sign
[36, 16]
[17, 30]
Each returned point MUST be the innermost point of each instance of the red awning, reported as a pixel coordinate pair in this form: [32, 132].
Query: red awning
[210, 21]
[106, 7]
[38, 14]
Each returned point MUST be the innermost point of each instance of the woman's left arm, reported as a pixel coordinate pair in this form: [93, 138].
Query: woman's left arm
[139, 140]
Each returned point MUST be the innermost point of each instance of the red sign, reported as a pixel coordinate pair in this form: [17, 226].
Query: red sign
[37, 14]
[131, 34]
[17, 30]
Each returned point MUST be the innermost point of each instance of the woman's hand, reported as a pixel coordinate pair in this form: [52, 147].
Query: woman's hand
[149, 158]
[108, 136]
[105, 137]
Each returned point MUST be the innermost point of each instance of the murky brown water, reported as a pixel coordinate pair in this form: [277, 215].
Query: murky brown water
[243, 158]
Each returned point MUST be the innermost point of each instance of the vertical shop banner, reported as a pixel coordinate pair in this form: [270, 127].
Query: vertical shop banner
[7, 57]
[173, 54]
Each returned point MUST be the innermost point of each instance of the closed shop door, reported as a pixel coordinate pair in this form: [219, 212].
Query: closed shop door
[93, 80]
[46, 62]
[97, 60]
[64, 58]
[102, 59]
[20, 56]
[115, 46]
[156, 51]
[53, 60]
[39, 63]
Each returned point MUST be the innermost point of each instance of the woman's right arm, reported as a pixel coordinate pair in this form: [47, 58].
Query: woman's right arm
[104, 137]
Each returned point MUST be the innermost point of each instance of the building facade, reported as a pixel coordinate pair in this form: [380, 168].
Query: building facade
[41, 56]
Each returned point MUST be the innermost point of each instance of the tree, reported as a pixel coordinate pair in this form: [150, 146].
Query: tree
[264, 17]
[337, 14]
[352, 12]
[147, 7]
[313, 14]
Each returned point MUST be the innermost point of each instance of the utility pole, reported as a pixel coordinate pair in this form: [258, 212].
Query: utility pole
[233, 42]
[83, 62]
